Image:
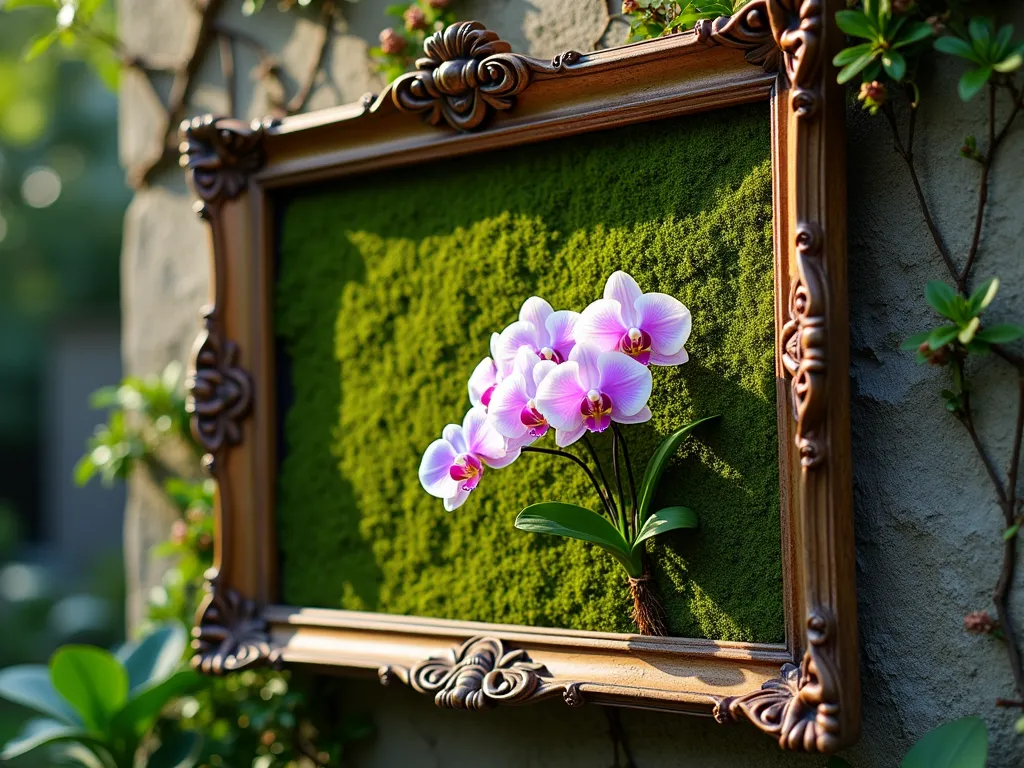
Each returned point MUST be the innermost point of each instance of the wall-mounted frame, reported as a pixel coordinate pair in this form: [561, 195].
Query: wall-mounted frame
[803, 692]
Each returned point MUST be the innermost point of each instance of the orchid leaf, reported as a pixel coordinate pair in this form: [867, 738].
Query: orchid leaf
[656, 466]
[572, 522]
[665, 520]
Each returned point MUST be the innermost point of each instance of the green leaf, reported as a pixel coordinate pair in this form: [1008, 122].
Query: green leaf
[854, 68]
[30, 686]
[986, 292]
[1009, 64]
[847, 55]
[92, 680]
[155, 658]
[41, 733]
[960, 744]
[1000, 333]
[857, 24]
[915, 33]
[1010, 532]
[954, 46]
[940, 297]
[972, 81]
[980, 29]
[570, 521]
[656, 466]
[13, 5]
[915, 341]
[40, 45]
[180, 750]
[895, 65]
[664, 520]
[942, 336]
[141, 712]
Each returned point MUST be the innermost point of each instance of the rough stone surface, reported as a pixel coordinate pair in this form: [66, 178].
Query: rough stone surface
[927, 526]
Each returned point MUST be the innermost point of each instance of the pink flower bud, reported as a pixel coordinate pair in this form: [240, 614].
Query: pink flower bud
[415, 18]
[391, 42]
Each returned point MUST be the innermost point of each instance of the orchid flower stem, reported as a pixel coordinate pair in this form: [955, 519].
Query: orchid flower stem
[600, 472]
[618, 482]
[634, 505]
[609, 508]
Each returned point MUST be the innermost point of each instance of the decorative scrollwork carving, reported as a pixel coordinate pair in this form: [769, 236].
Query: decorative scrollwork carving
[219, 392]
[748, 29]
[566, 59]
[800, 708]
[797, 26]
[467, 73]
[480, 674]
[230, 634]
[220, 154]
[804, 343]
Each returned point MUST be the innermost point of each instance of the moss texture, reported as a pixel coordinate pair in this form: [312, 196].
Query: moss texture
[388, 290]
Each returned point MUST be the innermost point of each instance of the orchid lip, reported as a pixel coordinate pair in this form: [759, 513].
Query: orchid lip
[466, 469]
[485, 398]
[596, 409]
[547, 353]
[637, 344]
[533, 420]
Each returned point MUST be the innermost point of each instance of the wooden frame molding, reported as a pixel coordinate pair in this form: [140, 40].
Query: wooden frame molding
[470, 93]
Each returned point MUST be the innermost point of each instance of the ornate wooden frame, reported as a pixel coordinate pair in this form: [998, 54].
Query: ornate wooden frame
[474, 94]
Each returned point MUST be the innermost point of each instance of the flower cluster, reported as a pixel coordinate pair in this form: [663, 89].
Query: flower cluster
[561, 371]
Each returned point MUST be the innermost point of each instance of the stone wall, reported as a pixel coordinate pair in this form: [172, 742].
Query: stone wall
[927, 527]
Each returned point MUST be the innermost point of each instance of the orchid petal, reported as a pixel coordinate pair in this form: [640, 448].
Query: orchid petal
[456, 500]
[540, 371]
[507, 402]
[512, 452]
[566, 437]
[517, 335]
[678, 358]
[483, 378]
[644, 414]
[626, 382]
[481, 436]
[494, 344]
[665, 319]
[434, 469]
[524, 361]
[623, 288]
[453, 434]
[559, 396]
[587, 356]
[535, 310]
[601, 324]
[560, 327]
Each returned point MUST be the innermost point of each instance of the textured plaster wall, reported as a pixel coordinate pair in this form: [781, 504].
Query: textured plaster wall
[927, 527]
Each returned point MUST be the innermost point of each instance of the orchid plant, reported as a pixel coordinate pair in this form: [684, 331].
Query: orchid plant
[574, 374]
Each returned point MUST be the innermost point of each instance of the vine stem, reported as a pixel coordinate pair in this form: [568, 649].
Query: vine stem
[1006, 495]
[609, 507]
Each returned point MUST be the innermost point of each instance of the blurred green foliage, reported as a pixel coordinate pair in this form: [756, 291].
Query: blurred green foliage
[62, 198]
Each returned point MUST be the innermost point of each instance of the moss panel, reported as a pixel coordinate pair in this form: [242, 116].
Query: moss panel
[389, 287]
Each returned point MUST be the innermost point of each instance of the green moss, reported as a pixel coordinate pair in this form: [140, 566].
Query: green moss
[389, 288]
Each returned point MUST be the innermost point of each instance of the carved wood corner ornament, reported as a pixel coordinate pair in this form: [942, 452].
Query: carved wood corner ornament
[480, 674]
[800, 708]
[220, 154]
[230, 633]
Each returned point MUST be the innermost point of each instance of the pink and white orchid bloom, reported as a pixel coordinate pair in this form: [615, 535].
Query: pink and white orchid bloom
[649, 327]
[452, 466]
[513, 408]
[486, 376]
[548, 333]
[591, 390]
